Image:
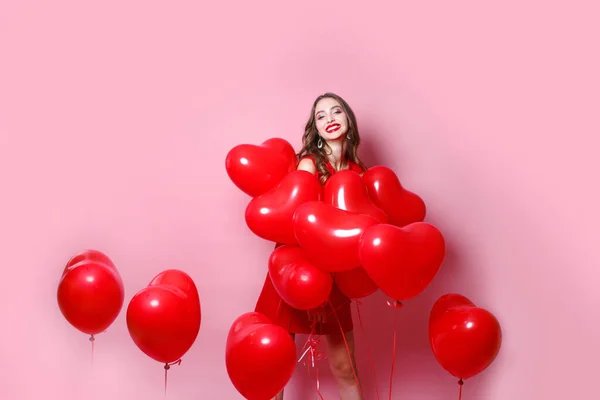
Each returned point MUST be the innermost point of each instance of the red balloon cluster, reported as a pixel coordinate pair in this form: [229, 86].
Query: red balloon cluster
[363, 232]
[90, 292]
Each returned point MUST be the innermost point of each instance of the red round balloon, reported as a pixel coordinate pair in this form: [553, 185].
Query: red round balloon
[270, 216]
[402, 261]
[465, 340]
[298, 281]
[329, 236]
[346, 190]
[260, 357]
[90, 295]
[163, 319]
[256, 169]
[401, 206]
[355, 283]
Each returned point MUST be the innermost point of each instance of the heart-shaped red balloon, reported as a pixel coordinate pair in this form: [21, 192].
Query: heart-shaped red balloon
[355, 284]
[256, 169]
[329, 236]
[447, 302]
[465, 340]
[298, 281]
[260, 357]
[89, 255]
[401, 206]
[90, 293]
[346, 190]
[242, 322]
[270, 215]
[163, 319]
[180, 280]
[402, 261]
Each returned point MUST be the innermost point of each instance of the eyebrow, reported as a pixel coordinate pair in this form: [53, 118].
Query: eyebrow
[320, 111]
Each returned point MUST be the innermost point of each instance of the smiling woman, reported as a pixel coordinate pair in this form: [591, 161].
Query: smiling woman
[331, 138]
[330, 144]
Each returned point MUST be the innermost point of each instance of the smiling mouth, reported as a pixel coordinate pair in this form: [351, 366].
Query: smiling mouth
[332, 128]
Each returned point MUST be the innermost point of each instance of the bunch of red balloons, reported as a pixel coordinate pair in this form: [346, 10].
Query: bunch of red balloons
[163, 318]
[363, 232]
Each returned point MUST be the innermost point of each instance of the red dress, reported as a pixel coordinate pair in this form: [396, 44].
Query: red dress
[296, 321]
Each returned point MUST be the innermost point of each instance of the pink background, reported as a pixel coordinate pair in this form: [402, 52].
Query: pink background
[115, 119]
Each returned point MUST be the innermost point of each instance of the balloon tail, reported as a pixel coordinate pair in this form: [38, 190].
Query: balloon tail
[362, 329]
[167, 368]
[460, 387]
[395, 304]
[311, 347]
[93, 340]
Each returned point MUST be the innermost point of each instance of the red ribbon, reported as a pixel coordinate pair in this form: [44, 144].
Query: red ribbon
[310, 348]
[396, 305]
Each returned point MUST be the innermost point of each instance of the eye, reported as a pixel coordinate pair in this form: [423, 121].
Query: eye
[337, 112]
[320, 116]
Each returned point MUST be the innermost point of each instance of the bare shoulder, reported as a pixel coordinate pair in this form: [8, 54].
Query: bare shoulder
[307, 164]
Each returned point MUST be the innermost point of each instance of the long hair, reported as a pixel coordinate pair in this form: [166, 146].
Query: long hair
[311, 138]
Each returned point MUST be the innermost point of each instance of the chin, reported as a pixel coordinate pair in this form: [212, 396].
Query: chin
[335, 136]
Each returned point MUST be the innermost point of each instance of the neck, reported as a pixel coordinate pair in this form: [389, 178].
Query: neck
[338, 149]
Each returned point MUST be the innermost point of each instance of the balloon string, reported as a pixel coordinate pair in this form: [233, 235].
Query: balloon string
[310, 347]
[362, 329]
[396, 305]
[358, 386]
[93, 340]
[167, 368]
[460, 385]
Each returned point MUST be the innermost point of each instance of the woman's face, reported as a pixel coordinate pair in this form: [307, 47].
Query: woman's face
[331, 120]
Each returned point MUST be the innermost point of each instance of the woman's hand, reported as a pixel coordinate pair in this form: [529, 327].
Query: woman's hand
[317, 315]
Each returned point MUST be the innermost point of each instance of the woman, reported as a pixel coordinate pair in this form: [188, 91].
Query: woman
[330, 144]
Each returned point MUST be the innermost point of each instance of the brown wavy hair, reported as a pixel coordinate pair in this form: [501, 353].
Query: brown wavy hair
[311, 138]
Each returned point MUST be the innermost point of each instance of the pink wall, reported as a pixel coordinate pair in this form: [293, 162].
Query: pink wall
[115, 120]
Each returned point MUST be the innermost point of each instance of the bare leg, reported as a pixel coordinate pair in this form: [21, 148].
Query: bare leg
[342, 366]
[280, 394]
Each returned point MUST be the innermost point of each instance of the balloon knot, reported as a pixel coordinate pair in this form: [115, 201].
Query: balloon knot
[460, 382]
[168, 365]
[92, 338]
[395, 303]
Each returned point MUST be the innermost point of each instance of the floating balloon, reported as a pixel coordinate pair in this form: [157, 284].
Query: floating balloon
[270, 215]
[260, 357]
[163, 319]
[402, 261]
[465, 339]
[445, 303]
[401, 206]
[256, 169]
[90, 292]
